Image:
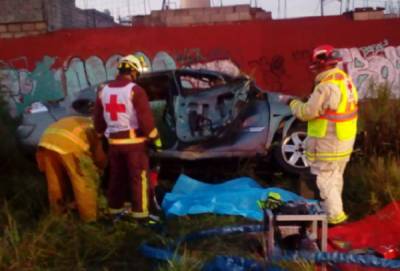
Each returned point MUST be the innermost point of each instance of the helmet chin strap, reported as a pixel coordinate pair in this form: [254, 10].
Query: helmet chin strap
[134, 75]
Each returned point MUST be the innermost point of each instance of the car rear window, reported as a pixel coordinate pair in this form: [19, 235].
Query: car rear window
[157, 87]
[191, 84]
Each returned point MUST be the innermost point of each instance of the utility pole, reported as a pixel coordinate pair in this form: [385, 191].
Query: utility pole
[285, 8]
[279, 8]
[398, 8]
[322, 7]
[129, 6]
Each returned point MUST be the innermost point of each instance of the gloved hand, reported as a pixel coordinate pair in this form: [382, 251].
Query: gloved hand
[156, 145]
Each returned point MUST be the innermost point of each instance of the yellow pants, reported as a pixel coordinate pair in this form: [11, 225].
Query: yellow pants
[70, 177]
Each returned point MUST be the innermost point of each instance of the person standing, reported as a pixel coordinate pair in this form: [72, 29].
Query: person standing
[331, 115]
[71, 155]
[123, 114]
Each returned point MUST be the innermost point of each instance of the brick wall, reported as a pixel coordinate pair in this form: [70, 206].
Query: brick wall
[362, 14]
[195, 16]
[18, 30]
[20, 18]
[21, 11]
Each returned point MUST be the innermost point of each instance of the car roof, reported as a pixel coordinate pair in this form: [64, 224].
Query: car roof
[188, 71]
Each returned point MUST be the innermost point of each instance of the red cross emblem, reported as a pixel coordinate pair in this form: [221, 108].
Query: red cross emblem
[114, 107]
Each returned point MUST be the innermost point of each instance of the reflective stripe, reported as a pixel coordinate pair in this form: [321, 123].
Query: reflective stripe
[333, 116]
[338, 219]
[140, 214]
[68, 135]
[52, 147]
[131, 140]
[119, 141]
[145, 200]
[153, 134]
[327, 156]
[114, 211]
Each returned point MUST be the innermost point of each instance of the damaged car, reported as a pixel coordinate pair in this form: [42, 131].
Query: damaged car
[203, 114]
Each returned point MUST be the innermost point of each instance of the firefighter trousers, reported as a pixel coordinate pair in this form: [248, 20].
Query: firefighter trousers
[128, 178]
[330, 184]
[70, 177]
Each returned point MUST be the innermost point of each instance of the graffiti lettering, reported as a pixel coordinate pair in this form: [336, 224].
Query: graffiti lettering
[374, 49]
[373, 68]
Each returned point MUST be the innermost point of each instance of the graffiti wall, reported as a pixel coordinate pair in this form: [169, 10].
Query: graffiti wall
[374, 64]
[56, 66]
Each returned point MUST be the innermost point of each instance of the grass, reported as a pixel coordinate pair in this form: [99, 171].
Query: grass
[33, 239]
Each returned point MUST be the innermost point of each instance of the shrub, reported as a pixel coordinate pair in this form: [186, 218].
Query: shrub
[372, 179]
[379, 122]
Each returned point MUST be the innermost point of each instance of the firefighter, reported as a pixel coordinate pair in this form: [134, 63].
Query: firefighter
[331, 115]
[122, 113]
[72, 158]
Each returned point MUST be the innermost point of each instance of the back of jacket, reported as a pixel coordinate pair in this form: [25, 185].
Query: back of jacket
[69, 135]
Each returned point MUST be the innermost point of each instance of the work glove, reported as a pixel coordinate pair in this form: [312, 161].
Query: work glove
[272, 202]
[156, 145]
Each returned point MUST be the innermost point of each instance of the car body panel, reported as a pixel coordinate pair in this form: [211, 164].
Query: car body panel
[200, 114]
[33, 124]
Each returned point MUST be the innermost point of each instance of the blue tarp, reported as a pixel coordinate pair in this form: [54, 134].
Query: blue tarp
[235, 197]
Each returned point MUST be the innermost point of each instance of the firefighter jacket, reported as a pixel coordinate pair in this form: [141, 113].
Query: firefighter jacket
[74, 135]
[331, 113]
[123, 113]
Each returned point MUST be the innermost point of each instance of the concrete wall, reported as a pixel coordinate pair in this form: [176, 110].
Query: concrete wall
[276, 53]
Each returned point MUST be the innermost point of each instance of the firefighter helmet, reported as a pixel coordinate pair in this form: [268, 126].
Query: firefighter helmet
[131, 62]
[325, 56]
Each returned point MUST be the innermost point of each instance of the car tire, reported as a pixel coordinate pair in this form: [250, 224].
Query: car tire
[289, 153]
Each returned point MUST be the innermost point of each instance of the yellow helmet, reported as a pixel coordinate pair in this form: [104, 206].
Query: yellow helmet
[131, 62]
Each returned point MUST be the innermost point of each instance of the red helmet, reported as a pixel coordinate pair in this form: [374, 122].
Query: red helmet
[325, 56]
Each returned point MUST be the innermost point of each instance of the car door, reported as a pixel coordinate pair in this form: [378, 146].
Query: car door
[207, 105]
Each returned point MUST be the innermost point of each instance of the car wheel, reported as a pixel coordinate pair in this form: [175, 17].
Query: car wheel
[290, 152]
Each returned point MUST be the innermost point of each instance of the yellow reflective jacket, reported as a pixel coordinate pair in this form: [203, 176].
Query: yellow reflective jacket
[74, 135]
[331, 113]
[345, 116]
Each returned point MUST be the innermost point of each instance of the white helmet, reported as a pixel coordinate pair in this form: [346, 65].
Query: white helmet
[131, 62]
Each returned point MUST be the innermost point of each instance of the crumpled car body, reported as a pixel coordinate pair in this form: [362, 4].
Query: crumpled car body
[202, 114]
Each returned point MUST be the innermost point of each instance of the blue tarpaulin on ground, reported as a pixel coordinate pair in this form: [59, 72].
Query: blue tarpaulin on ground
[235, 197]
